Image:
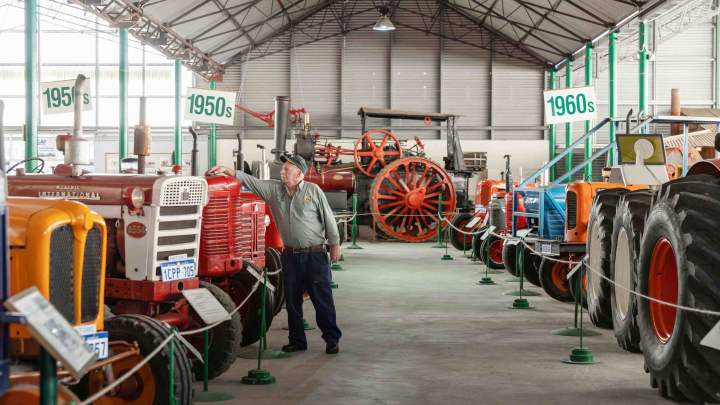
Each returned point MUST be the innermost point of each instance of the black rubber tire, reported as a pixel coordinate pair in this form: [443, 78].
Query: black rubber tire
[251, 322]
[597, 291]
[509, 255]
[486, 252]
[224, 338]
[531, 265]
[572, 284]
[627, 230]
[149, 333]
[456, 238]
[548, 282]
[274, 263]
[687, 215]
[477, 244]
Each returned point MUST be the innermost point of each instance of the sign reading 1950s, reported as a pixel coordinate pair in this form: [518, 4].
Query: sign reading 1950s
[569, 105]
[210, 106]
[59, 97]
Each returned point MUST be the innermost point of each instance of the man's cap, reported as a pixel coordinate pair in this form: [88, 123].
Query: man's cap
[295, 160]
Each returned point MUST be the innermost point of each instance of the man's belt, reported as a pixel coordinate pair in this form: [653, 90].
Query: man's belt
[309, 249]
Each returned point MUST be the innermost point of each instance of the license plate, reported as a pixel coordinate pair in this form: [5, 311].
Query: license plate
[98, 342]
[178, 270]
[546, 249]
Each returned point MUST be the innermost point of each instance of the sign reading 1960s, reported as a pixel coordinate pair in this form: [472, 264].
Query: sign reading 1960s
[59, 97]
[210, 106]
[569, 105]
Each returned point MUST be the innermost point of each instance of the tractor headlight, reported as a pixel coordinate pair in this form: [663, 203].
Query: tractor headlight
[135, 198]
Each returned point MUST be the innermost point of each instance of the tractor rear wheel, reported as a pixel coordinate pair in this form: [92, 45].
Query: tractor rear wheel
[627, 233]
[241, 285]
[509, 257]
[273, 262]
[553, 279]
[459, 240]
[477, 244]
[598, 248]
[492, 252]
[679, 264]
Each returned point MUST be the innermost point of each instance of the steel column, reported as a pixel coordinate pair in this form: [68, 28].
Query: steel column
[177, 157]
[716, 46]
[123, 85]
[612, 91]
[589, 141]
[642, 67]
[553, 128]
[31, 65]
[212, 146]
[568, 126]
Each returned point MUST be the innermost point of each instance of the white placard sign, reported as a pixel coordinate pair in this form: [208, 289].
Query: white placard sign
[59, 97]
[570, 105]
[472, 222]
[206, 305]
[487, 233]
[574, 270]
[53, 331]
[210, 106]
[712, 339]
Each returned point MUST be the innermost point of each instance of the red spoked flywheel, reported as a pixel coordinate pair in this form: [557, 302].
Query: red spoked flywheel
[375, 149]
[405, 197]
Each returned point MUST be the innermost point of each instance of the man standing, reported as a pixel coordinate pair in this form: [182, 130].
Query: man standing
[306, 222]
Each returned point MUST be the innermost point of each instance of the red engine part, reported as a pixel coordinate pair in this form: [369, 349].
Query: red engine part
[521, 221]
[485, 191]
[150, 291]
[233, 229]
[332, 179]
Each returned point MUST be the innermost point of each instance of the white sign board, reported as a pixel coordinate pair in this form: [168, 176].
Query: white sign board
[570, 105]
[487, 233]
[206, 305]
[210, 106]
[712, 339]
[59, 97]
[53, 331]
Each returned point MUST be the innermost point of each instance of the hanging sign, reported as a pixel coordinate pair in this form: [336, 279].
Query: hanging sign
[59, 97]
[570, 105]
[712, 339]
[210, 106]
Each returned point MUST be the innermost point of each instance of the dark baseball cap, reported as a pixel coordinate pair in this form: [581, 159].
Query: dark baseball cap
[295, 160]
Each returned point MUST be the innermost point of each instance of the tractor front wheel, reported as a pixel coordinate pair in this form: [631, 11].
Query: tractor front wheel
[553, 279]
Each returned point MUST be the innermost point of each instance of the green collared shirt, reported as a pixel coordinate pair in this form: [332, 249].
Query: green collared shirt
[304, 219]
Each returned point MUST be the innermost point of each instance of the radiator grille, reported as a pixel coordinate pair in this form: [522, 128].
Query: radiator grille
[62, 279]
[91, 275]
[187, 191]
[571, 210]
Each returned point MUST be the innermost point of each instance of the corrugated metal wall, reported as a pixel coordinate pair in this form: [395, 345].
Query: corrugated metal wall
[514, 97]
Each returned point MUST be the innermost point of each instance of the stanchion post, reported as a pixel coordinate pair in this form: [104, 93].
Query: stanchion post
[354, 228]
[171, 371]
[206, 395]
[48, 378]
[446, 256]
[580, 355]
[439, 243]
[520, 302]
[487, 280]
[259, 376]
[574, 330]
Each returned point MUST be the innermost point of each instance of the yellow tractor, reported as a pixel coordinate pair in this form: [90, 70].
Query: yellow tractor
[59, 248]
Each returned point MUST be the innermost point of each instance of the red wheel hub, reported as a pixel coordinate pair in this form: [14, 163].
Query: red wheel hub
[558, 275]
[663, 285]
[495, 251]
[374, 150]
[405, 197]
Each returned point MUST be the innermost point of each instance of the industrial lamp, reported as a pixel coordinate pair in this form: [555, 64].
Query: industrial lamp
[383, 23]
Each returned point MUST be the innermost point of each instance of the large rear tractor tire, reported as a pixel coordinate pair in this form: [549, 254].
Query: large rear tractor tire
[530, 265]
[509, 258]
[273, 262]
[151, 384]
[492, 252]
[553, 279]
[459, 240]
[680, 264]
[477, 244]
[598, 248]
[242, 284]
[627, 233]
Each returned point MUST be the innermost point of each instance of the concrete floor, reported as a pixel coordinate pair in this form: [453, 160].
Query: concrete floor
[418, 330]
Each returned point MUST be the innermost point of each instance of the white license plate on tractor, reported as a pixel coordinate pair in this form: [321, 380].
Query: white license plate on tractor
[546, 249]
[98, 342]
[178, 270]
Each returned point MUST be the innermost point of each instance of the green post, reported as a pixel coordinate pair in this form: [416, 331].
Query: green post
[446, 256]
[206, 357]
[520, 302]
[178, 129]
[48, 379]
[259, 376]
[171, 371]
[580, 355]
[588, 82]
[439, 243]
[212, 145]
[31, 65]
[354, 228]
[642, 66]
[612, 92]
[553, 127]
[575, 330]
[716, 46]
[123, 85]
[568, 125]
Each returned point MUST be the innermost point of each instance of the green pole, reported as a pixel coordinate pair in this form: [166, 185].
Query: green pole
[588, 82]
[716, 44]
[612, 92]
[568, 126]
[48, 379]
[31, 65]
[212, 151]
[123, 85]
[642, 66]
[206, 358]
[178, 130]
[354, 228]
[439, 243]
[262, 322]
[171, 370]
[553, 127]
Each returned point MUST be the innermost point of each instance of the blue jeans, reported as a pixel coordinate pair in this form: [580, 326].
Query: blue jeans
[309, 272]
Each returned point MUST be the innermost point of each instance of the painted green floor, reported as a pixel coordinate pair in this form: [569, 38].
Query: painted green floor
[418, 330]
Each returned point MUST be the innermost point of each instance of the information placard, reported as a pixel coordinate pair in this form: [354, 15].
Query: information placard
[210, 106]
[59, 97]
[206, 305]
[570, 105]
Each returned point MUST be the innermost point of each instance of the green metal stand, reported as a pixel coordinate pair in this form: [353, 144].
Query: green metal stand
[487, 280]
[439, 244]
[336, 267]
[206, 395]
[334, 285]
[580, 355]
[342, 257]
[520, 302]
[171, 370]
[446, 256]
[575, 330]
[259, 376]
[31, 79]
[354, 228]
[48, 378]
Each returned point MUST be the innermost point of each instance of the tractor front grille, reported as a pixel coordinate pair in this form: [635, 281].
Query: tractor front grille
[186, 191]
[62, 279]
[571, 209]
[91, 275]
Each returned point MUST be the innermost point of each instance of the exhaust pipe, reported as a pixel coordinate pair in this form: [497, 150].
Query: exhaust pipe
[194, 154]
[239, 158]
[141, 138]
[282, 123]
